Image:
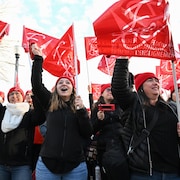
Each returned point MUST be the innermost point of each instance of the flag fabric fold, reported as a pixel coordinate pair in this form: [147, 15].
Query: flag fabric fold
[91, 49]
[135, 28]
[4, 29]
[96, 91]
[106, 64]
[60, 61]
[44, 41]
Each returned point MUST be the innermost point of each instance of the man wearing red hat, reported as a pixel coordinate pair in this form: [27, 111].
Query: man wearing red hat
[157, 155]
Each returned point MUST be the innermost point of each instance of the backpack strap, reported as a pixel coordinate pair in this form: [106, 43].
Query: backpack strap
[144, 133]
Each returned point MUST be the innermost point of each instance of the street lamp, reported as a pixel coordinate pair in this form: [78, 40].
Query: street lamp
[17, 55]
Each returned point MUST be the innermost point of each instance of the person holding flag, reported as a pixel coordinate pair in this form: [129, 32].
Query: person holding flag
[62, 154]
[157, 154]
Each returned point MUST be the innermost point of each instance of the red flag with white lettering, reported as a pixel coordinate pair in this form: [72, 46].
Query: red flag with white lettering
[96, 91]
[106, 64]
[60, 61]
[44, 41]
[166, 67]
[135, 28]
[4, 29]
[91, 49]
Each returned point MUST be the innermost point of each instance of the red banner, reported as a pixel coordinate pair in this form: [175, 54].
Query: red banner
[106, 64]
[44, 41]
[91, 49]
[61, 60]
[166, 67]
[135, 28]
[96, 91]
[165, 78]
[4, 29]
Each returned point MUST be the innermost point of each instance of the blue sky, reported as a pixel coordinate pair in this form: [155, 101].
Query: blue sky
[54, 17]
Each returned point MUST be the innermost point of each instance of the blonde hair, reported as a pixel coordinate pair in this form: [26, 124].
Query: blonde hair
[57, 102]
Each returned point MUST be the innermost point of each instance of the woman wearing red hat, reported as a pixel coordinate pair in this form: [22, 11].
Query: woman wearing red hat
[16, 136]
[62, 154]
[106, 121]
[157, 155]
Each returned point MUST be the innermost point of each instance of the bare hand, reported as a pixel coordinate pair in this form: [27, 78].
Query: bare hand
[100, 115]
[79, 103]
[36, 50]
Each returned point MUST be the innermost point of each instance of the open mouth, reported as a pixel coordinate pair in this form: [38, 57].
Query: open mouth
[64, 89]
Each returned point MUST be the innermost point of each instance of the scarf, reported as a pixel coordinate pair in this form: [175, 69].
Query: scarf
[13, 116]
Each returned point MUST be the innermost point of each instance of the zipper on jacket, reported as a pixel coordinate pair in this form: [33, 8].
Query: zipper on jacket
[64, 136]
[4, 139]
[148, 146]
[149, 156]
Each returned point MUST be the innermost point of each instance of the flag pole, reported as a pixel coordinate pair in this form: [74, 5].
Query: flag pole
[176, 89]
[17, 55]
[75, 61]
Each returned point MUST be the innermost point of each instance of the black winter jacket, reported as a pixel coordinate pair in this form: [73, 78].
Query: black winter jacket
[109, 128]
[162, 148]
[16, 145]
[62, 149]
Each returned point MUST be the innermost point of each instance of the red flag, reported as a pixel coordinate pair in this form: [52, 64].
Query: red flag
[164, 74]
[135, 28]
[44, 41]
[106, 64]
[163, 78]
[4, 29]
[166, 67]
[91, 47]
[96, 91]
[60, 60]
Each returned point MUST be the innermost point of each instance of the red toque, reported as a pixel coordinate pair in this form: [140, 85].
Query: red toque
[139, 79]
[105, 86]
[15, 89]
[28, 91]
[67, 77]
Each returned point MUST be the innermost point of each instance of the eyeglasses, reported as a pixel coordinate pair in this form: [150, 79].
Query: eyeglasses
[108, 89]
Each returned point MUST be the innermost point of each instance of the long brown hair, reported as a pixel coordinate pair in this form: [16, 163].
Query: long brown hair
[57, 102]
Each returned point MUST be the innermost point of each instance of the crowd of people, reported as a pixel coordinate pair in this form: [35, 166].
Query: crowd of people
[46, 134]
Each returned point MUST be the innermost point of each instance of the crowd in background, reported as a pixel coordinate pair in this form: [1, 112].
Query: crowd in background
[49, 134]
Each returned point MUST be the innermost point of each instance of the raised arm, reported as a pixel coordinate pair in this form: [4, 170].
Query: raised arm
[38, 88]
[121, 90]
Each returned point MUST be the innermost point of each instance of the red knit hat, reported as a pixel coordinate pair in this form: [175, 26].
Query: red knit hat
[28, 92]
[139, 79]
[105, 86]
[15, 89]
[67, 77]
[2, 95]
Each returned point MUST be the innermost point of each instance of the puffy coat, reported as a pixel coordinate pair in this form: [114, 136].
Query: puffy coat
[62, 149]
[140, 159]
